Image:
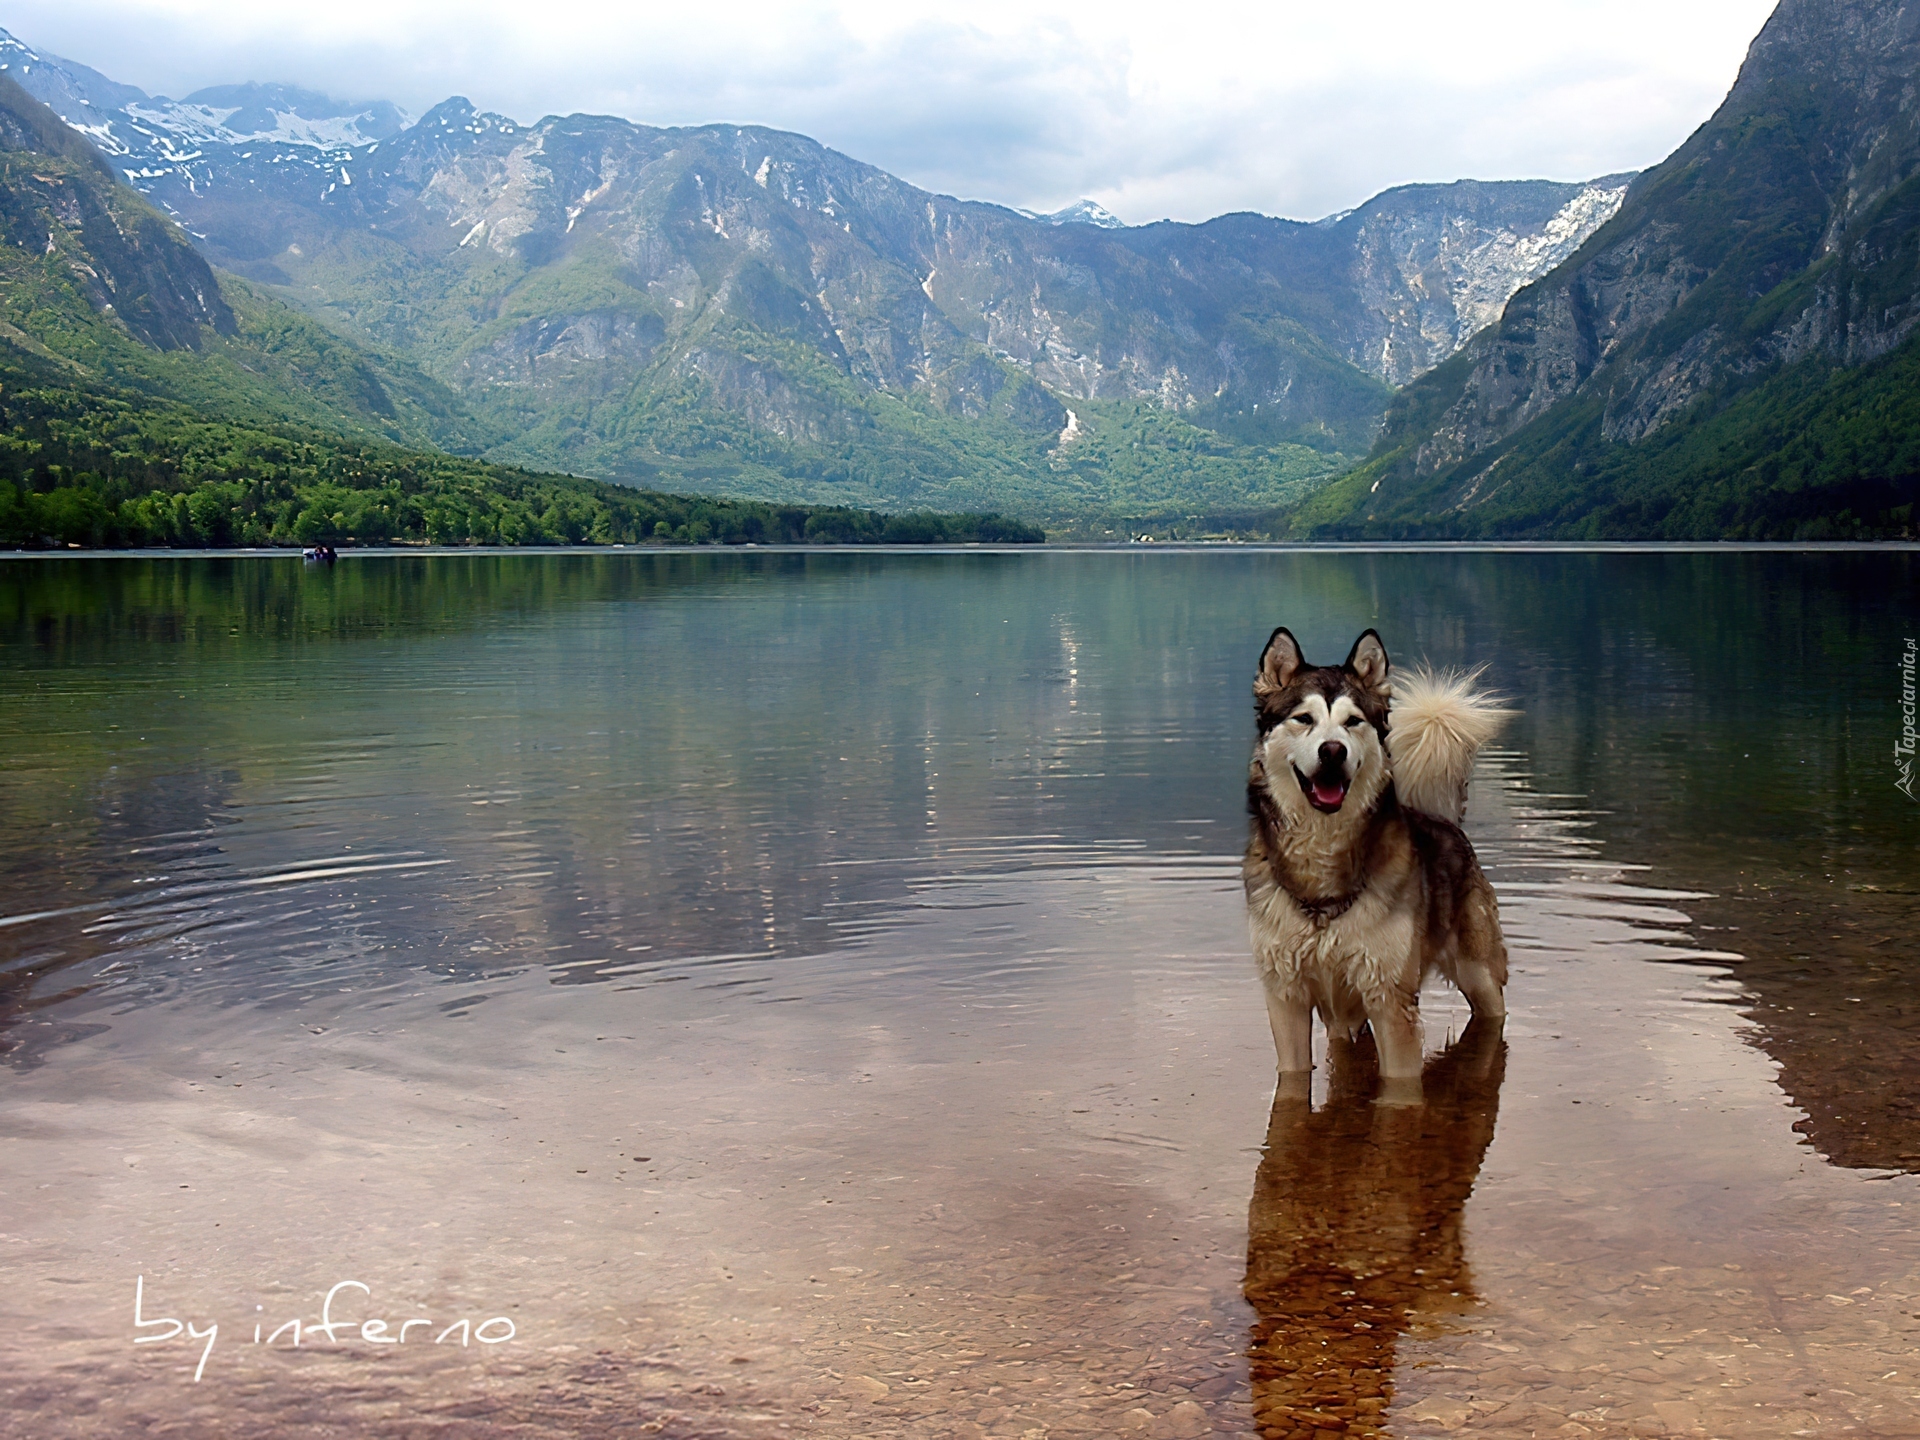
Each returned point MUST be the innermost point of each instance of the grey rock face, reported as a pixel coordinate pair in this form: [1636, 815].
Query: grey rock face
[539, 354]
[1433, 264]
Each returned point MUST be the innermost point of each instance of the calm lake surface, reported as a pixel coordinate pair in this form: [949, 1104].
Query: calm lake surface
[777, 993]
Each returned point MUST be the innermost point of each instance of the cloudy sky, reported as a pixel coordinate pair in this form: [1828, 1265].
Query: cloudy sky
[1292, 107]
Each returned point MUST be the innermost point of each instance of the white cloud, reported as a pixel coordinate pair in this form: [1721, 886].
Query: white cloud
[1153, 109]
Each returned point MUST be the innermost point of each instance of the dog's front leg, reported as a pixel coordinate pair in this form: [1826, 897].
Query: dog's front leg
[1292, 1021]
[1398, 1036]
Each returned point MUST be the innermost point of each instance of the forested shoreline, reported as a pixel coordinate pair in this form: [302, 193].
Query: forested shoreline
[100, 471]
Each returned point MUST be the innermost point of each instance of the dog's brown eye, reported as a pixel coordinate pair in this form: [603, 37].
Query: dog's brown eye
[1301, 719]
[1353, 722]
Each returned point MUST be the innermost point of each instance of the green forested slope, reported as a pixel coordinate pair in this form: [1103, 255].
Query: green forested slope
[744, 404]
[1814, 451]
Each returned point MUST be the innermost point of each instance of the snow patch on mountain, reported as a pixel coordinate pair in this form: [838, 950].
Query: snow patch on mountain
[159, 133]
[1081, 212]
[235, 125]
[1489, 274]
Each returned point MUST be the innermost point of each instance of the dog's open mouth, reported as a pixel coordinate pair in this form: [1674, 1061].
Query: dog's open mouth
[1326, 791]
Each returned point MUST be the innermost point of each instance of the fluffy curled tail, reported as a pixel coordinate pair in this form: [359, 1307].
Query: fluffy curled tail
[1439, 722]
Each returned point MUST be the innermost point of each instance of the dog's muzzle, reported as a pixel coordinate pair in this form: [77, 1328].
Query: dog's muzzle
[1326, 788]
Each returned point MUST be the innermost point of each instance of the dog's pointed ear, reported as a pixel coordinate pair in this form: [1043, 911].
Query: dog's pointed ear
[1368, 662]
[1279, 662]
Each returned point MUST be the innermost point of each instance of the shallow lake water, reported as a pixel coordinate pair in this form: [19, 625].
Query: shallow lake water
[765, 994]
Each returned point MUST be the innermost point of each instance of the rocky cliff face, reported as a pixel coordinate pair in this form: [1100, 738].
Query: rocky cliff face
[1433, 264]
[60, 202]
[1782, 232]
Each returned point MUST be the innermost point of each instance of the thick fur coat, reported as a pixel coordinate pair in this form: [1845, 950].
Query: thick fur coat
[1354, 895]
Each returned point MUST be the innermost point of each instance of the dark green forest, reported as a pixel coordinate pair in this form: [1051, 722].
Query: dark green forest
[1814, 451]
[79, 467]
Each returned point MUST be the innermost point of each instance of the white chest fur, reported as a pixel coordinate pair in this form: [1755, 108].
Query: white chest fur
[1343, 965]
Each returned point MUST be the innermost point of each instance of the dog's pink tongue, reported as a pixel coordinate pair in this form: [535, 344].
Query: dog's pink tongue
[1329, 794]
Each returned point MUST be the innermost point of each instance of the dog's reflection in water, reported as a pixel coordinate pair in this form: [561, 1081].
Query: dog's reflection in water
[1356, 1232]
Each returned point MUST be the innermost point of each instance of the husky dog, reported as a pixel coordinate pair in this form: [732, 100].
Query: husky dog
[1359, 881]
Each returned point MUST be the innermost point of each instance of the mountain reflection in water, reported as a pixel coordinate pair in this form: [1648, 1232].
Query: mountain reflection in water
[1356, 1231]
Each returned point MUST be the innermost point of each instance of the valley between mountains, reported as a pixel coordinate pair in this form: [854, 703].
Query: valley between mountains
[737, 311]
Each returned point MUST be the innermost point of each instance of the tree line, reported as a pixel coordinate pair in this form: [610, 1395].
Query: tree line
[81, 468]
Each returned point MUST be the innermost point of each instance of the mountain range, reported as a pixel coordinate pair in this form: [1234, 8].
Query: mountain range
[1721, 346]
[146, 399]
[741, 310]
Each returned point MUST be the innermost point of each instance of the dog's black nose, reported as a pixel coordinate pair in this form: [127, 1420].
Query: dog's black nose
[1333, 753]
